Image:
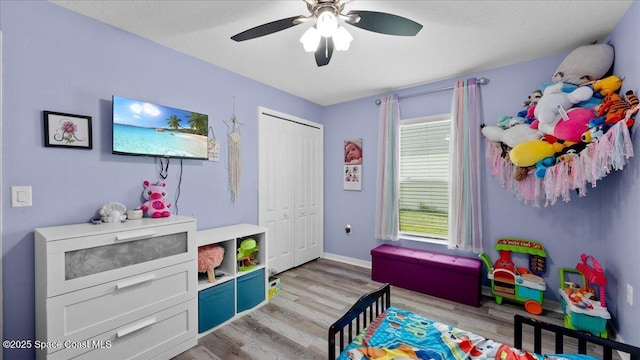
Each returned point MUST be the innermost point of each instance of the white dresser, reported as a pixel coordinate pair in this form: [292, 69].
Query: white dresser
[118, 290]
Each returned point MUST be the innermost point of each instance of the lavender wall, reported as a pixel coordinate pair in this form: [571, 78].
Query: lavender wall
[566, 229]
[54, 59]
[57, 60]
[603, 223]
[620, 216]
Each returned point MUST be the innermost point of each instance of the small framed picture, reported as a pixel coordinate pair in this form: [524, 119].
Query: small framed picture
[352, 164]
[67, 130]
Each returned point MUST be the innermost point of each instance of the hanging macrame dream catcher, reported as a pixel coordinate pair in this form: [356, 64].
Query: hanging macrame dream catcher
[572, 132]
[235, 155]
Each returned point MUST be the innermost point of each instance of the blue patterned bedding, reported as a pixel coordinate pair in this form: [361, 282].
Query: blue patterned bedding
[401, 334]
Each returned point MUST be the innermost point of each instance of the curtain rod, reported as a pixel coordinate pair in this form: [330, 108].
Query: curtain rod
[480, 81]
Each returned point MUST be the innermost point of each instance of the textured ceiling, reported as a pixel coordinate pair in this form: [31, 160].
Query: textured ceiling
[458, 38]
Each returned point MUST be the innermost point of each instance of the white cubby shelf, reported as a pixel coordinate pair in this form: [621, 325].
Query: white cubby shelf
[242, 292]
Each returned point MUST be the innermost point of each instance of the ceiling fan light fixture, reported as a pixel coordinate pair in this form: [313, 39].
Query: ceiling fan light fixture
[311, 39]
[326, 35]
[342, 39]
[327, 22]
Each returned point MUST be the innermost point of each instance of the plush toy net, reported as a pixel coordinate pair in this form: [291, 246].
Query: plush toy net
[610, 152]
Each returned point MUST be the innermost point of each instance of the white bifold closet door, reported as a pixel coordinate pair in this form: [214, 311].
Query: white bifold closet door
[290, 188]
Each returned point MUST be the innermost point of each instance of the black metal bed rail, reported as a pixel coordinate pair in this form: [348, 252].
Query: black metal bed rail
[361, 314]
[560, 332]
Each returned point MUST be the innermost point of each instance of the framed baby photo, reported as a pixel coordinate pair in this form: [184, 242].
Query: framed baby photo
[67, 130]
[353, 152]
[352, 179]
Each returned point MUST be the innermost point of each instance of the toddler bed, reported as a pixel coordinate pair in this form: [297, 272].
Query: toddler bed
[373, 329]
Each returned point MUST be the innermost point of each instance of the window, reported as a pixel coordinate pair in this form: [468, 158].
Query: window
[424, 176]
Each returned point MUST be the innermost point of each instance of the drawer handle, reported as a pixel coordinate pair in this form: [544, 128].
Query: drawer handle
[135, 235]
[136, 281]
[129, 329]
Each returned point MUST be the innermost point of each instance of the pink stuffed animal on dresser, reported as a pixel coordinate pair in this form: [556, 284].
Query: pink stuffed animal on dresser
[155, 206]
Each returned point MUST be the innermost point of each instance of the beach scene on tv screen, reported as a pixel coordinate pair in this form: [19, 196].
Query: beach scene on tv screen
[149, 129]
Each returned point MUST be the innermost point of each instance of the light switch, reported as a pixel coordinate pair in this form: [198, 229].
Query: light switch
[21, 196]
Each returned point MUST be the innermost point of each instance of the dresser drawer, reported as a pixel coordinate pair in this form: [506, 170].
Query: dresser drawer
[141, 339]
[88, 312]
[85, 259]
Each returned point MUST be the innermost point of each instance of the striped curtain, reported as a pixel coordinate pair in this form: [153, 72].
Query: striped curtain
[465, 218]
[387, 189]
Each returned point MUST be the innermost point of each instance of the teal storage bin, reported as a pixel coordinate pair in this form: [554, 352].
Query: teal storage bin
[215, 305]
[251, 290]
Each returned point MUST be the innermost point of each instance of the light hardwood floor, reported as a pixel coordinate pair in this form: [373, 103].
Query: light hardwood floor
[294, 324]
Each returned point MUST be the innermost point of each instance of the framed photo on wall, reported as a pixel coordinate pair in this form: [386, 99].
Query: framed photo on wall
[352, 176]
[67, 130]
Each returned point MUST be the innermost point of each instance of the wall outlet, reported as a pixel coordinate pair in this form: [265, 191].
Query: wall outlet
[630, 294]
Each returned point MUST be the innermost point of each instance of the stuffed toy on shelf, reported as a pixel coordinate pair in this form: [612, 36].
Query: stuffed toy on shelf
[155, 206]
[247, 254]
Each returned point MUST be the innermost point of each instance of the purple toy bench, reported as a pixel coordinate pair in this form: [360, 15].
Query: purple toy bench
[446, 276]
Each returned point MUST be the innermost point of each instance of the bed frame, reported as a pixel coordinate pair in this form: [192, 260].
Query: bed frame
[372, 304]
[361, 314]
[560, 332]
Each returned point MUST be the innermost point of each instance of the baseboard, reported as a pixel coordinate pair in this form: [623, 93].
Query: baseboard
[347, 260]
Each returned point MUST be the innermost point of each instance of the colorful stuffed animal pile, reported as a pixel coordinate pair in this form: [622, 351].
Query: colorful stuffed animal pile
[566, 115]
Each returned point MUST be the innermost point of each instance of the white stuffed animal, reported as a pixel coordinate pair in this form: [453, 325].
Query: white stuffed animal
[512, 136]
[113, 212]
[585, 63]
[554, 102]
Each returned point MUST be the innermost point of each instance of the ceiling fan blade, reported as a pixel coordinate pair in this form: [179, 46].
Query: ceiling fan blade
[324, 51]
[385, 23]
[266, 29]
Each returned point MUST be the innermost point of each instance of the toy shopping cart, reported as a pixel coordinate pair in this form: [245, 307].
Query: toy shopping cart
[582, 309]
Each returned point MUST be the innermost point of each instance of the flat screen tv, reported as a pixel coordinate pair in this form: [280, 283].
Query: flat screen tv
[143, 128]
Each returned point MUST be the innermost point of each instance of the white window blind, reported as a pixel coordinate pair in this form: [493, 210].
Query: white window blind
[424, 176]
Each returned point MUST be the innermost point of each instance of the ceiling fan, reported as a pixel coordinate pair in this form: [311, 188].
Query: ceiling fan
[327, 35]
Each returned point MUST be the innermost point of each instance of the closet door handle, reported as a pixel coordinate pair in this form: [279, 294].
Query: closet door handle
[136, 281]
[135, 235]
[129, 329]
